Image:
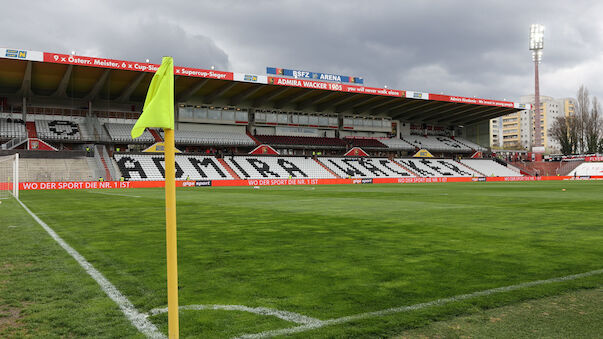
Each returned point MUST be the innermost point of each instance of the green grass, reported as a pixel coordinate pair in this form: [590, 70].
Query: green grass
[572, 315]
[323, 251]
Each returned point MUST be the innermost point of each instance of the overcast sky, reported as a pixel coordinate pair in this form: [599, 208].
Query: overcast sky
[466, 48]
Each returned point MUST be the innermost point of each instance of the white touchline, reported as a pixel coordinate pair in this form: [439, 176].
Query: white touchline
[285, 315]
[322, 323]
[121, 195]
[139, 320]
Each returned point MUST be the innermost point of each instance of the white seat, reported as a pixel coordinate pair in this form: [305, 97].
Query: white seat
[365, 167]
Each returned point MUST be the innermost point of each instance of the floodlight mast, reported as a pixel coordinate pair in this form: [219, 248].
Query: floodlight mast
[536, 46]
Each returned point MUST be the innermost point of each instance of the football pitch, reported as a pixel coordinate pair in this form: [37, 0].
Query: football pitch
[317, 261]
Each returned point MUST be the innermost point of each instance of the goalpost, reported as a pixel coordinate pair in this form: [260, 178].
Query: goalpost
[9, 176]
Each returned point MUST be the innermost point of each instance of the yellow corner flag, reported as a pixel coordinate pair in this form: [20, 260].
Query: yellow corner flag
[158, 110]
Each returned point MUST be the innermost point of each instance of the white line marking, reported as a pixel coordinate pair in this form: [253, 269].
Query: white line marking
[312, 326]
[285, 315]
[121, 195]
[139, 320]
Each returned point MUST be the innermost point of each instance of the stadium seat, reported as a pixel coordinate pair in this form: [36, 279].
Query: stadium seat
[12, 128]
[257, 167]
[397, 144]
[364, 142]
[588, 169]
[121, 133]
[437, 168]
[490, 168]
[300, 140]
[470, 144]
[436, 143]
[58, 129]
[213, 138]
[188, 167]
[364, 167]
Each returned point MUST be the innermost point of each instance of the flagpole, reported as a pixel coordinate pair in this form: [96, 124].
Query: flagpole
[170, 231]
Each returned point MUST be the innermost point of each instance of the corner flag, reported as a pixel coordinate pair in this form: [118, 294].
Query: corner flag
[158, 110]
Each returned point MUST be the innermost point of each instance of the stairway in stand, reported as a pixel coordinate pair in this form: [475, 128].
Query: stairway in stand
[228, 169]
[328, 169]
[31, 129]
[104, 162]
[155, 135]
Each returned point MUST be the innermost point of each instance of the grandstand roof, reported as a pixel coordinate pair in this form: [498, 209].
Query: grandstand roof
[74, 77]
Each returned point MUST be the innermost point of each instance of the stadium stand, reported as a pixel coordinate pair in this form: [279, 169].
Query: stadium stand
[12, 128]
[470, 144]
[58, 129]
[188, 167]
[121, 133]
[212, 138]
[253, 167]
[436, 143]
[48, 169]
[301, 141]
[397, 144]
[365, 168]
[588, 169]
[490, 168]
[364, 142]
[437, 168]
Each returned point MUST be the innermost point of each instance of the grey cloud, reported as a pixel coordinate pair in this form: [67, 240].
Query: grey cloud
[470, 48]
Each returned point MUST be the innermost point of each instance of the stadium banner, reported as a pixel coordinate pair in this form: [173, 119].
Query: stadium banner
[333, 86]
[69, 59]
[71, 185]
[260, 79]
[21, 54]
[297, 74]
[594, 159]
[475, 101]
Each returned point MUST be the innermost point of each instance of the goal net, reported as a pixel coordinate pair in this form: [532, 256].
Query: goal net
[9, 176]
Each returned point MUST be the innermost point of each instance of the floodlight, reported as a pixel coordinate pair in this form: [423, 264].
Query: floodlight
[536, 46]
[536, 41]
[536, 36]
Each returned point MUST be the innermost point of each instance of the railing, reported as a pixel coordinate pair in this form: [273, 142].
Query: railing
[109, 162]
[13, 143]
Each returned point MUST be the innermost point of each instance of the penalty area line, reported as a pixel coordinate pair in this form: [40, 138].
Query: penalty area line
[136, 318]
[401, 309]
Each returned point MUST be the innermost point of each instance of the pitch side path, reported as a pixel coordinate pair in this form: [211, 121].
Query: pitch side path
[281, 182]
[321, 260]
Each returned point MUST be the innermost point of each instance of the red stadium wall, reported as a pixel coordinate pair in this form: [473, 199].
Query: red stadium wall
[276, 182]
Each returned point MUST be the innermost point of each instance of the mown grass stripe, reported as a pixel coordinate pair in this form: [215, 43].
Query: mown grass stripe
[438, 302]
[138, 319]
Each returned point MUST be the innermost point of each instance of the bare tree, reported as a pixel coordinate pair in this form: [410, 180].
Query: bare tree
[565, 131]
[593, 128]
[582, 112]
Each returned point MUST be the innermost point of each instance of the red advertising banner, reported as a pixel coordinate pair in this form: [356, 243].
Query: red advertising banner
[334, 86]
[476, 101]
[276, 182]
[594, 159]
[132, 66]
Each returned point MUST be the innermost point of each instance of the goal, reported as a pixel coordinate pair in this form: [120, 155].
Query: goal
[9, 176]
